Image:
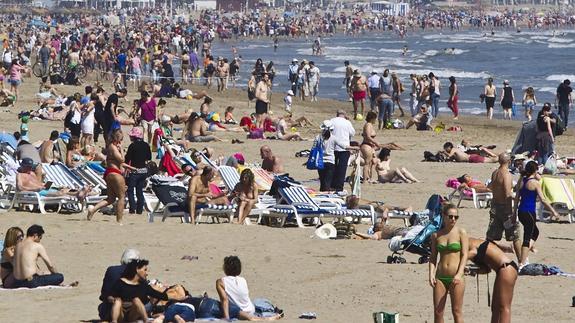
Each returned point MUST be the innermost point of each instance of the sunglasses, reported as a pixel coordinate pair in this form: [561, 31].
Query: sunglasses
[453, 217]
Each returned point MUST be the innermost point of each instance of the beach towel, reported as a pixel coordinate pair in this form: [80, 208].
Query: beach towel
[559, 190]
[454, 184]
[41, 287]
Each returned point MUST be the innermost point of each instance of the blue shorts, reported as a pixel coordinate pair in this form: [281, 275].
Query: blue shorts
[185, 311]
[15, 82]
[46, 192]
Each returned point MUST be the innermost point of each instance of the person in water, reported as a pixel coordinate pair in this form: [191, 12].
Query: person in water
[450, 243]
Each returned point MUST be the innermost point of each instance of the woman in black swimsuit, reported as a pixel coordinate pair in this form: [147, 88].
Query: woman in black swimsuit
[490, 256]
[13, 236]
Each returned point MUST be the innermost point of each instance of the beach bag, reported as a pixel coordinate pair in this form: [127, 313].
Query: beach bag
[315, 159]
[550, 166]
[384, 317]
[559, 125]
[344, 230]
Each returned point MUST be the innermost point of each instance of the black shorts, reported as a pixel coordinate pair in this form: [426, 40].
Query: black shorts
[261, 107]
[489, 102]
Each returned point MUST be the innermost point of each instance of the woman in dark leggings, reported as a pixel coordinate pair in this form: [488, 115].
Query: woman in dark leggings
[528, 189]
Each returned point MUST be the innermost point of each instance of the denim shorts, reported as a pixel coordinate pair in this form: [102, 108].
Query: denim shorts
[185, 311]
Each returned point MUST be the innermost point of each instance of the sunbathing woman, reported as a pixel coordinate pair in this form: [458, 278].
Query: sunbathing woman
[13, 236]
[113, 176]
[467, 182]
[489, 256]
[446, 276]
[386, 175]
[74, 156]
[246, 192]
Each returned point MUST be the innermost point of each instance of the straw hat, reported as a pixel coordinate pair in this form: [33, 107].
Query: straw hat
[326, 231]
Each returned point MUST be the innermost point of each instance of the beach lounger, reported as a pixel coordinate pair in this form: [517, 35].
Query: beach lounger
[300, 205]
[480, 200]
[173, 203]
[560, 192]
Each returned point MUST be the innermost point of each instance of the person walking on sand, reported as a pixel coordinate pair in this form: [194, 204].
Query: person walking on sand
[564, 100]
[342, 132]
[358, 89]
[262, 100]
[501, 213]
[507, 99]
[446, 275]
[434, 91]
[453, 97]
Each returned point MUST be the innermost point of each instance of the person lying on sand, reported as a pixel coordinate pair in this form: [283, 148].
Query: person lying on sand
[381, 231]
[455, 154]
[470, 149]
[387, 175]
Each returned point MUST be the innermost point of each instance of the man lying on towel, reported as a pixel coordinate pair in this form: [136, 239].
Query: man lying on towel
[456, 154]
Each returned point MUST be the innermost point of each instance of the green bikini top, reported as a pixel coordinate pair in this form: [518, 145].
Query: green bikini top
[451, 247]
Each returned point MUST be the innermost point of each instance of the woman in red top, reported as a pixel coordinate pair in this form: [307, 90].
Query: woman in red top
[113, 176]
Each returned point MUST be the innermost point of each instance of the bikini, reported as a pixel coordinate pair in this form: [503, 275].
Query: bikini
[450, 247]
[112, 170]
[479, 258]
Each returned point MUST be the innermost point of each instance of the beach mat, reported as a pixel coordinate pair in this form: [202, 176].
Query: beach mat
[42, 287]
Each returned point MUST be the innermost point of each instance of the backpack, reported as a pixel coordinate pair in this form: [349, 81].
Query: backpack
[559, 125]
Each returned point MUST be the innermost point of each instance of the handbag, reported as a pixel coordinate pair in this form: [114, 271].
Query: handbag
[315, 159]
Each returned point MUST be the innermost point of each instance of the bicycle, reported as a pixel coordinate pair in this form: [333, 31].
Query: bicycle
[39, 70]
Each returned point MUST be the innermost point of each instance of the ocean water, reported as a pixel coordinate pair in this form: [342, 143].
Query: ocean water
[541, 59]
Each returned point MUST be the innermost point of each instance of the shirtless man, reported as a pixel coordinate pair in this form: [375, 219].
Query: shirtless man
[27, 181]
[270, 162]
[197, 130]
[199, 192]
[25, 262]
[222, 71]
[501, 212]
[49, 153]
[455, 154]
[262, 100]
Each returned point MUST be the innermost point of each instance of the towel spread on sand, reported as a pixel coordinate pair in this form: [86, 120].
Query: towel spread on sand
[559, 190]
[42, 287]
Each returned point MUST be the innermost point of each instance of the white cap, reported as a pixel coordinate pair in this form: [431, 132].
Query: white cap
[290, 92]
[326, 125]
[294, 60]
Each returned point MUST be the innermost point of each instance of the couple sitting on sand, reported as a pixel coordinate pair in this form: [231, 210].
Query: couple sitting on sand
[127, 296]
[20, 254]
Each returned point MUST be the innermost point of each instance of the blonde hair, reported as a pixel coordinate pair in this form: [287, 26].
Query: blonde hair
[11, 238]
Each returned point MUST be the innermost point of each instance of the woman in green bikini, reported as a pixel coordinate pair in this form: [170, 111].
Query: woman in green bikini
[446, 276]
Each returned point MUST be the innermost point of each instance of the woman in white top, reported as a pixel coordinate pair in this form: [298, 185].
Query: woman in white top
[233, 290]
[328, 142]
[88, 121]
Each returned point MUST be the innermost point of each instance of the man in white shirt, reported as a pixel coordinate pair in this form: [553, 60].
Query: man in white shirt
[373, 88]
[343, 131]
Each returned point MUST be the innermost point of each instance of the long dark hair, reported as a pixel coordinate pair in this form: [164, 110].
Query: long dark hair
[326, 134]
[530, 169]
[132, 268]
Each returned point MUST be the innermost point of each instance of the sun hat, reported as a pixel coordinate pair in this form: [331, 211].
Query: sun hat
[240, 158]
[356, 73]
[136, 132]
[290, 92]
[326, 125]
[165, 119]
[294, 60]
[326, 231]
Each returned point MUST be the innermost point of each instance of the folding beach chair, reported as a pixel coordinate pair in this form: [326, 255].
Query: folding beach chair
[560, 192]
[173, 203]
[300, 205]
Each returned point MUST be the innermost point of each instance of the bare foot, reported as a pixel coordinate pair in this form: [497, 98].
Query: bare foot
[90, 212]
[73, 284]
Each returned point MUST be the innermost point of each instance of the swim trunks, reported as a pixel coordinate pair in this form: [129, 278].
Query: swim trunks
[476, 159]
[359, 95]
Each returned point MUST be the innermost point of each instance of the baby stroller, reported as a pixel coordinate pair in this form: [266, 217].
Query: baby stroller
[421, 244]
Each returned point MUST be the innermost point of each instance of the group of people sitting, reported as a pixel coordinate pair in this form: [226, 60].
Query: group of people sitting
[127, 295]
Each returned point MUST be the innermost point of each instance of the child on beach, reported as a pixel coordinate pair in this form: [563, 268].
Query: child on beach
[288, 100]
[229, 116]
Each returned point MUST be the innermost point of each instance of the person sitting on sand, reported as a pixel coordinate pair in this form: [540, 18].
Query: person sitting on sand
[455, 154]
[27, 181]
[13, 236]
[284, 133]
[246, 193]
[386, 175]
[111, 277]
[421, 120]
[235, 296]
[132, 291]
[26, 271]
[270, 162]
[467, 182]
[197, 130]
[200, 191]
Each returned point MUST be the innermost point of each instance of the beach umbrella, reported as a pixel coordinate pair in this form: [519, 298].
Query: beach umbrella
[356, 184]
[9, 139]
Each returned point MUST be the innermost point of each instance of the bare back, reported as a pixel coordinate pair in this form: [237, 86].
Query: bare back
[25, 257]
[501, 186]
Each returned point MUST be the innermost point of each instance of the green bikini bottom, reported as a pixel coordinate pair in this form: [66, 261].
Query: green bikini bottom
[446, 280]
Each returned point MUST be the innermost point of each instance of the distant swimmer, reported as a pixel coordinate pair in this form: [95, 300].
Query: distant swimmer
[492, 32]
[518, 30]
[404, 50]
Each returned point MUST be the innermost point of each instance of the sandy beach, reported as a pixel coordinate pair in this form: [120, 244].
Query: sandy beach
[342, 281]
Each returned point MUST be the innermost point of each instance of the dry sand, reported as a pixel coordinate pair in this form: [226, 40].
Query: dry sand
[342, 281]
